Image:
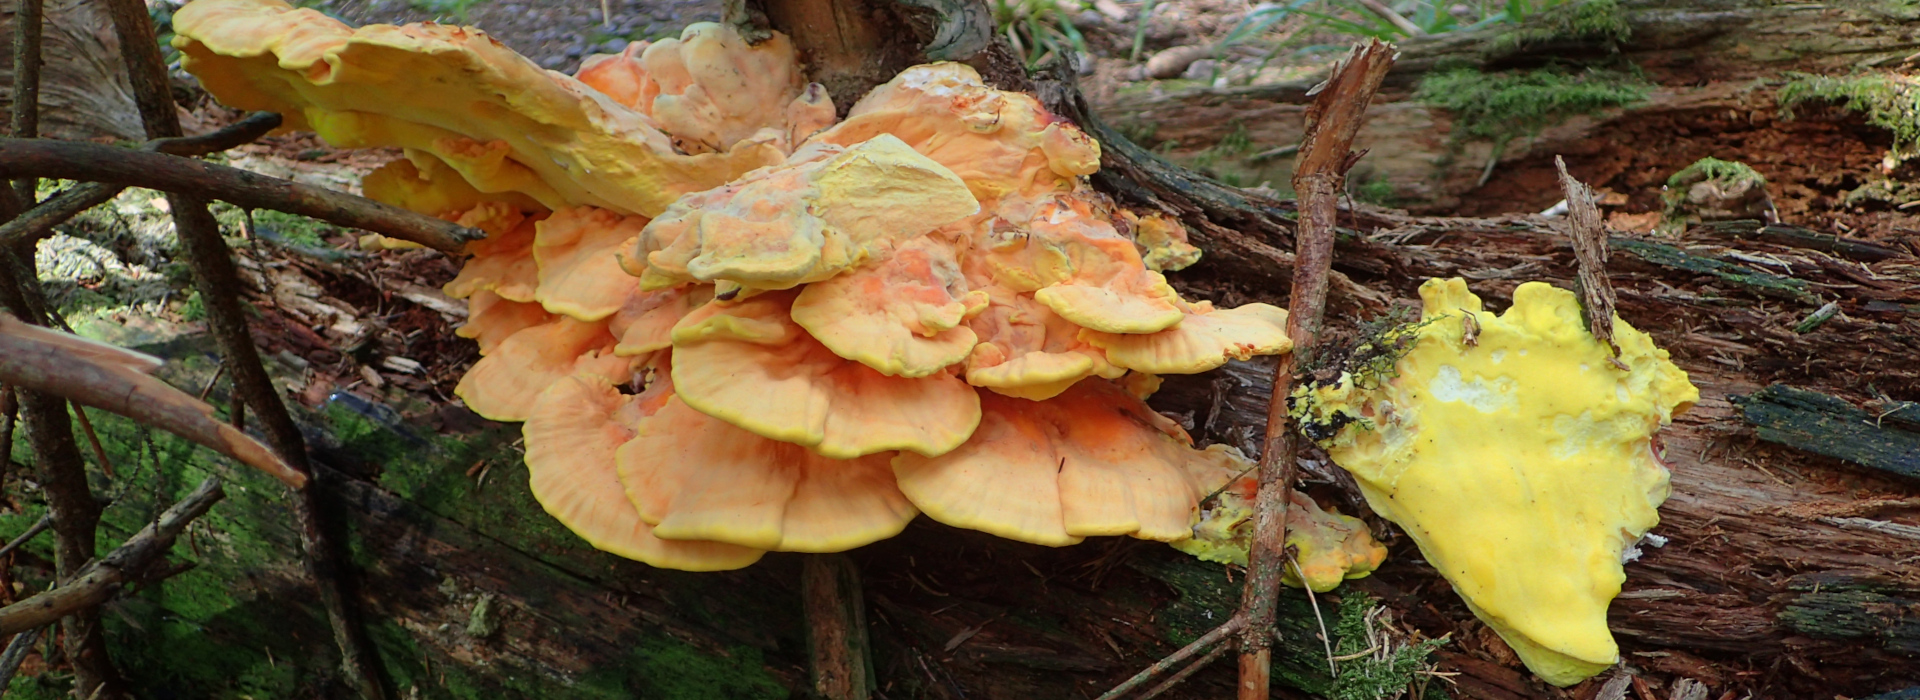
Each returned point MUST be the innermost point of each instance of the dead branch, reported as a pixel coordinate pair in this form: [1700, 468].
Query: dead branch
[130, 168]
[101, 580]
[1319, 177]
[16, 652]
[1232, 626]
[39, 526]
[116, 380]
[38, 221]
[219, 286]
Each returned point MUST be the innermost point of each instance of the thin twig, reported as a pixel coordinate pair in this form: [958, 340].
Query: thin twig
[91, 162]
[1319, 177]
[1206, 641]
[28, 16]
[17, 650]
[39, 526]
[9, 416]
[219, 286]
[1184, 673]
[37, 222]
[93, 440]
[1396, 19]
[1326, 638]
[99, 581]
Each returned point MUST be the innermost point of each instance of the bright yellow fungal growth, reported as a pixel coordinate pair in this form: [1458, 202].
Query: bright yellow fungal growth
[1521, 463]
[455, 92]
[1330, 547]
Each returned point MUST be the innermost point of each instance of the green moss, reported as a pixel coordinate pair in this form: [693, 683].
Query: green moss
[1373, 676]
[1711, 168]
[1502, 106]
[1592, 21]
[291, 229]
[1888, 101]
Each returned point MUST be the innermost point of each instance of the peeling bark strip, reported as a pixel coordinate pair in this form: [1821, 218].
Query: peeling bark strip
[842, 662]
[1829, 425]
[120, 166]
[1590, 249]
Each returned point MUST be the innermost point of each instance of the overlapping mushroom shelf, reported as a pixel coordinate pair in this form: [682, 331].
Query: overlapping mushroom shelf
[734, 324]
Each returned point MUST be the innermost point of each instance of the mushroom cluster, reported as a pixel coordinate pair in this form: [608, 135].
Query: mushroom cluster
[1517, 451]
[733, 323]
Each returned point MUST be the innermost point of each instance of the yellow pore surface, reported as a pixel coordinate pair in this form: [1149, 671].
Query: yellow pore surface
[1521, 462]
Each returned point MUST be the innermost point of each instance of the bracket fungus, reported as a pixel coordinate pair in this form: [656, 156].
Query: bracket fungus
[1328, 547]
[832, 327]
[1520, 460]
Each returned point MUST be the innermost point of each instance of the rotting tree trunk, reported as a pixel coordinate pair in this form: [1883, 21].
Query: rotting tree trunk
[84, 92]
[1713, 66]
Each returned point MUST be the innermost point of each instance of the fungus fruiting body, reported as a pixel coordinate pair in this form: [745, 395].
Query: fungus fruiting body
[832, 326]
[1519, 458]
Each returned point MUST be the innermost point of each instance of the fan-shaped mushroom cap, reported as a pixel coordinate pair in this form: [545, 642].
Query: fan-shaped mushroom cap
[621, 76]
[502, 262]
[998, 142]
[645, 322]
[806, 221]
[571, 435]
[1206, 338]
[1329, 547]
[491, 319]
[1026, 350]
[749, 364]
[1092, 461]
[1163, 242]
[1527, 436]
[696, 477]
[445, 90]
[901, 313]
[715, 88]
[577, 253]
[503, 385]
[1076, 264]
[435, 190]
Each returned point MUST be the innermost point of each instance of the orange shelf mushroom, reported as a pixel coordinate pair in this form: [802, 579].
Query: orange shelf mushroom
[835, 326]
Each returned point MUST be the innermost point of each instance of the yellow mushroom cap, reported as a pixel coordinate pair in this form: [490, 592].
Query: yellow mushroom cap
[645, 322]
[571, 436]
[1206, 338]
[1527, 437]
[502, 386]
[717, 90]
[749, 364]
[1076, 263]
[696, 477]
[1163, 241]
[434, 190]
[805, 221]
[900, 314]
[1329, 547]
[576, 251]
[491, 319]
[998, 142]
[1026, 350]
[502, 262]
[621, 77]
[1092, 461]
[445, 90]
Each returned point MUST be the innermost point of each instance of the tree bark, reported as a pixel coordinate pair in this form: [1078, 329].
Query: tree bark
[84, 92]
[1701, 57]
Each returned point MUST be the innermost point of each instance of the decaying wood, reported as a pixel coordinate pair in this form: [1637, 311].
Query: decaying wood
[1320, 176]
[842, 659]
[125, 167]
[99, 581]
[91, 374]
[1589, 236]
[219, 286]
[1704, 57]
[1888, 440]
[83, 91]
